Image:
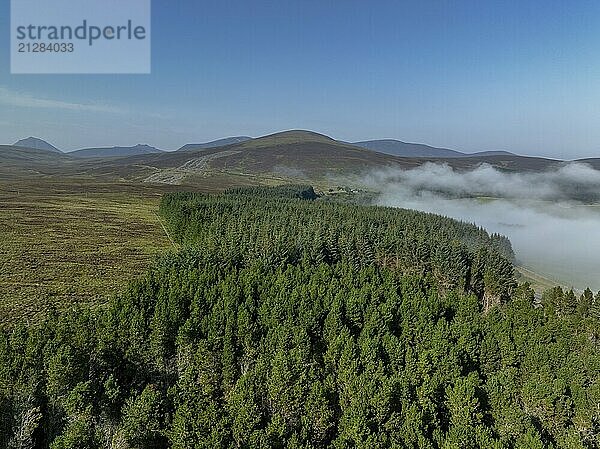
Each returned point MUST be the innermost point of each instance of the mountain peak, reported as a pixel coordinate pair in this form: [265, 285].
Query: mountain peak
[295, 136]
[37, 144]
[300, 134]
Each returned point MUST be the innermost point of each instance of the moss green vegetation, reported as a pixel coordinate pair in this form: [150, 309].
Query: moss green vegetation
[62, 244]
[285, 321]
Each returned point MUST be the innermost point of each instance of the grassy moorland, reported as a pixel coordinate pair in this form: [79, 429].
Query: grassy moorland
[69, 243]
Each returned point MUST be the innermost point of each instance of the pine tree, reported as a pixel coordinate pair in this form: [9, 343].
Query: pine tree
[585, 303]
[595, 307]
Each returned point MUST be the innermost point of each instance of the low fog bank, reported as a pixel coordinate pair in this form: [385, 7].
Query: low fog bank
[548, 216]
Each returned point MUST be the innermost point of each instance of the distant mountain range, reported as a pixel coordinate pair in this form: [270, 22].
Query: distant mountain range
[385, 146]
[114, 151]
[286, 156]
[36, 144]
[405, 149]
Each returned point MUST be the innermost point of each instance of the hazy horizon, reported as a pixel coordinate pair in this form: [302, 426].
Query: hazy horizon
[129, 144]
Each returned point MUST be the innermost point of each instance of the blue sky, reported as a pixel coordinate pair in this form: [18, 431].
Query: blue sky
[522, 76]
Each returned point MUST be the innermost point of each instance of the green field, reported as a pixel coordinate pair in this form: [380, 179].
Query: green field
[66, 243]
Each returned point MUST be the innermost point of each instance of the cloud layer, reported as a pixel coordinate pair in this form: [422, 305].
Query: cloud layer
[573, 181]
[549, 216]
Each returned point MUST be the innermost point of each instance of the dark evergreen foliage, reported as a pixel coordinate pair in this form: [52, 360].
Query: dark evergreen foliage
[285, 322]
[249, 224]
